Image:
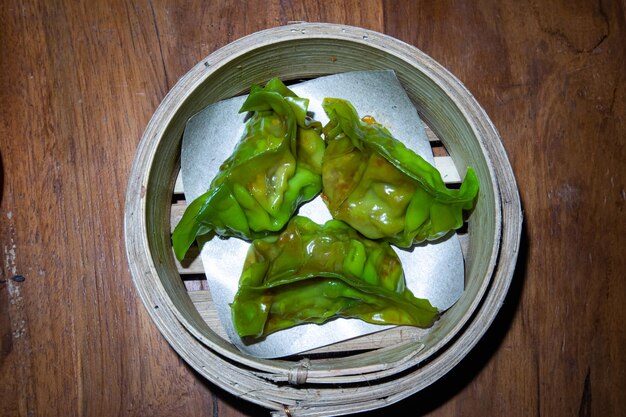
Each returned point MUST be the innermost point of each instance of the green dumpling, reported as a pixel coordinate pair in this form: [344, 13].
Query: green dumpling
[383, 189]
[312, 273]
[275, 167]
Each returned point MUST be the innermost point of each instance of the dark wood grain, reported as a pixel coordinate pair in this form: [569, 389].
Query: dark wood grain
[78, 84]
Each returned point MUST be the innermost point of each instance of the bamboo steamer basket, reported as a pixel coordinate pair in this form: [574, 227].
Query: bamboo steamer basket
[348, 382]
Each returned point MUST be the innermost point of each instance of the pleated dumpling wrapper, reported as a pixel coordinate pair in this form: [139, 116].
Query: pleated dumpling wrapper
[313, 273]
[274, 168]
[381, 188]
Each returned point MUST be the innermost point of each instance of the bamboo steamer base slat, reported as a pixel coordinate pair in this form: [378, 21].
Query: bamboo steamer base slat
[319, 384]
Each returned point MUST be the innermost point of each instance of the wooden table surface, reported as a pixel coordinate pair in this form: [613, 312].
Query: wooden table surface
[79, 82]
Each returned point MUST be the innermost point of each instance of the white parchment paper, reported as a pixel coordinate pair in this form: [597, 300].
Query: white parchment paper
[432, 271]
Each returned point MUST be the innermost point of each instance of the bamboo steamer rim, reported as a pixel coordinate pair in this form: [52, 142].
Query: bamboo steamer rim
[240, 374]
